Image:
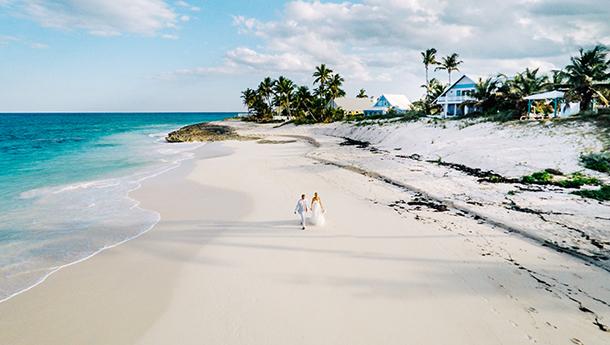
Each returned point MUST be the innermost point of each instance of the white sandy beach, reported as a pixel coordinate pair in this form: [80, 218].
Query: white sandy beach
[228, 264]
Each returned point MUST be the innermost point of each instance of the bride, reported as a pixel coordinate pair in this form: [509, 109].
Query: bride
[317, 211]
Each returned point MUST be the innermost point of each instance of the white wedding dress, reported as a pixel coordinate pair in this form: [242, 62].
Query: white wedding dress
[317, 215]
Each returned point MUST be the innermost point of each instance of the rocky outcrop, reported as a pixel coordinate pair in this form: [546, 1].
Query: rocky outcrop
[204, 132]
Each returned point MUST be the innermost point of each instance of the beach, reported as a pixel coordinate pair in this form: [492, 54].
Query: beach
[228, 264]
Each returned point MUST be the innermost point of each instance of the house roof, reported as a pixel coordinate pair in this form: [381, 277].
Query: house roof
[452, 85]
[353, 104]
[397, 101]
[546, 95]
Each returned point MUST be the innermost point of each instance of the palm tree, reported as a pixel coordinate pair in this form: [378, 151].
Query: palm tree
[334, 87]
[284, 90]
[322, 75]
[362, 94]
[511, 91]
[584, 71]
[429, 58]
[529, 82]
[449, 63]
[434, 89]
[485, 92]
[265, 90]
[249, 98]
[303, 101]
[558, 78]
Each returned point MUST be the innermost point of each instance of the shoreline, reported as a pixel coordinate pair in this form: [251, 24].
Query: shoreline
[102, 261]
[227, 263]
[139, 181]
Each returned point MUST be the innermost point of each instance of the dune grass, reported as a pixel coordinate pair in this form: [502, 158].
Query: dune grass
[597, 161]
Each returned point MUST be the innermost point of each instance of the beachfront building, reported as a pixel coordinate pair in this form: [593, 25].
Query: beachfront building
[556, 100]
[454, 100]
[387, 102]
[352, 106]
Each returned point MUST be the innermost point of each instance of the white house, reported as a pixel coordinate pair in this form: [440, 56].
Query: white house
[353, 106]
[455, 95]
[385, 102]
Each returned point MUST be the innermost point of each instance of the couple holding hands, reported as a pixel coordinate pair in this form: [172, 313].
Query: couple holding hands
[317, 211]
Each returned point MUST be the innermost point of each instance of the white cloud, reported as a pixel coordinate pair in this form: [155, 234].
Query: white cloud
[170, 36]
[379, 41]
[101, 17]
[38, 45]
[187, 5]
[5, 40]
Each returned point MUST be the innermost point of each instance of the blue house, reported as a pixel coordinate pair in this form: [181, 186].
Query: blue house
[385, 102]
[453, 98]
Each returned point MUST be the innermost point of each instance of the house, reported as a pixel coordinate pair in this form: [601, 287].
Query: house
[453, 98]
[352, 106]
[385, 102]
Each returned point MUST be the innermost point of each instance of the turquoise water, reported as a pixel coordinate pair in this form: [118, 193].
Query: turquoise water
[64, 180]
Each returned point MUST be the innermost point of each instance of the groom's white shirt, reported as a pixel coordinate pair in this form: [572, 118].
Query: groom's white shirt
[301, 206]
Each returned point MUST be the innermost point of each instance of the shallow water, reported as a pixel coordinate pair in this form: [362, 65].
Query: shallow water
[64, 184]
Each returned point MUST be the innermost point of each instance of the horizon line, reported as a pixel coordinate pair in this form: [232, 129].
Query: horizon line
[116, 112]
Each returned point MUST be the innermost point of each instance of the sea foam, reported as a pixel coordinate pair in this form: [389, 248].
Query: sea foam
[54, 226]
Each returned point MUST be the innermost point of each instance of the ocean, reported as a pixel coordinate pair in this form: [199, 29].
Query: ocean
[64, 184]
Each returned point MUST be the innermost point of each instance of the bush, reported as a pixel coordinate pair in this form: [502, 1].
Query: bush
[540, 177]
[597, 161]
[303, 121]
[575, 180]
[601, 194]
[501, 116]
[411, 116]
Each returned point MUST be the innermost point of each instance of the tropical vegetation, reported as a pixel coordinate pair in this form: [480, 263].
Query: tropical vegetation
[297, 102]
[450, 63]
[597, 161]
[586, 79]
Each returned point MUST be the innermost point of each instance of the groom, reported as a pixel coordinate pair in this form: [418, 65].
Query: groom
[301, 209]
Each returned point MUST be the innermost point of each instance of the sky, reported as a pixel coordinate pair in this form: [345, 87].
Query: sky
[198, 55]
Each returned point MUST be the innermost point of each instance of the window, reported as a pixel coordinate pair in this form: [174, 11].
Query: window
[458, 93]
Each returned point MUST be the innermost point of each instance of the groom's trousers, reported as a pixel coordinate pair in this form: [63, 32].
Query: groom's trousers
[302, 215]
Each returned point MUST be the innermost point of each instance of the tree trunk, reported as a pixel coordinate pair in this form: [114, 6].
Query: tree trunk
[587, 98]
[427, 80]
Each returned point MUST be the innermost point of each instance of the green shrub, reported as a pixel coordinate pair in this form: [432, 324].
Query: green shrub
[597, 161]
[601, 194]
[501, 116]
[603, 111]
[540, 177]
[411, 116]
[575, 180]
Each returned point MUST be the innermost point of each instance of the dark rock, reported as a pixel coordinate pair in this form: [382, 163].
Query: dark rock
[203, 132]
[359, 144]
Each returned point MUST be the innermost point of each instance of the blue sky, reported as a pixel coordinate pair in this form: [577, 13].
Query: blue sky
[196, 55]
